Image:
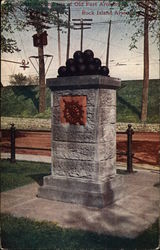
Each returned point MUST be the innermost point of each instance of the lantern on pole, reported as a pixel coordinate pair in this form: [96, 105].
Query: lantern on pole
[40, 39]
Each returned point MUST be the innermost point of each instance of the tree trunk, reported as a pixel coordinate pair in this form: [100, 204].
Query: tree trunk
[42, 86]
[146, 67]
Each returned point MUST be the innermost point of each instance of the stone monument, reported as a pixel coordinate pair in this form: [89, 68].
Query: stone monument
[83, 141]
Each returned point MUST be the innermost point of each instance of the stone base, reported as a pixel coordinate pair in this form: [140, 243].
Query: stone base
[73, 190]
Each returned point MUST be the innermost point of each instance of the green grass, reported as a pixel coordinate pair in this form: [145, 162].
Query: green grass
[21, 233]
[23, 101]
[21, 173]
[129, 101]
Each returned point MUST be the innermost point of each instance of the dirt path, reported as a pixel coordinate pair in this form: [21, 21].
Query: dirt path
[145, 145]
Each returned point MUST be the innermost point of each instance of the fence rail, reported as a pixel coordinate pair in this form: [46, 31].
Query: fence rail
[18, 147]
[12, 146]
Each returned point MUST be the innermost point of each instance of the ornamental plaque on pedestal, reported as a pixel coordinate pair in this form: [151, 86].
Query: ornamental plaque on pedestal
[83, 167]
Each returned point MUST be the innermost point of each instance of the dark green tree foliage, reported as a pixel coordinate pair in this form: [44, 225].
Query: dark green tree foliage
[19, 101]
[9, 23]
[38, 14]
[24, 14]
[137, 20]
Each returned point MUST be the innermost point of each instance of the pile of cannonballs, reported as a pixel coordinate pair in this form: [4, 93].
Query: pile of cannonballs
[83, 63]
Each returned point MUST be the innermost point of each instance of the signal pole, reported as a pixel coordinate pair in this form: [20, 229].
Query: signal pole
[108, 44]
[81, 47]
[38, 20]
[148, 13]
[69, 31]
[59, 39]
[42, 87]
[82, 27]
[146, 66]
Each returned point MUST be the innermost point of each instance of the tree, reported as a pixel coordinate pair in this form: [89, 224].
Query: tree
[9, 23]
[144, 16]
[30, 90]
[135, 17]
[38, 18]
[14, 17]
[40, 15]
[20, 80]
[23, 14]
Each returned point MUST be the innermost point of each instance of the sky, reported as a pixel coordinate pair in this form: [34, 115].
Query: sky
[123, 63]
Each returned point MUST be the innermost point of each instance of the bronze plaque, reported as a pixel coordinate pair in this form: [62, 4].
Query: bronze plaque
[73, 110]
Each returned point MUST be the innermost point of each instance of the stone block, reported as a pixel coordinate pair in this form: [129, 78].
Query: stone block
[73, 133]
[107, 115]
[74, 151]
[107, 168]
[106, 150]
[107, 97]
[107, 133]
[77, 169]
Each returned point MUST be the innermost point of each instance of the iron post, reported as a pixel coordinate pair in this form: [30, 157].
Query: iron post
[129, 132]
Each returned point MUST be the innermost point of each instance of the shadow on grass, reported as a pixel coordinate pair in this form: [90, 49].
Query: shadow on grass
[22, 233]
[22, 173]
[129, 106]
[29, 93]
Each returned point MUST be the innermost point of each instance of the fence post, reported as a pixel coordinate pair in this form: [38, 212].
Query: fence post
[13, 137]
[129, 132]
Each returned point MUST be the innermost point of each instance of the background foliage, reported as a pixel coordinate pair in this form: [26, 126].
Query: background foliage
[22, 101]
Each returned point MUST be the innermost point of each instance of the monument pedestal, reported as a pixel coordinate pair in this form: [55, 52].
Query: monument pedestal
[83, 141]
[88, 193]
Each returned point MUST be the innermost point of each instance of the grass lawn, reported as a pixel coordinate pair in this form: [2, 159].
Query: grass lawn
[21, 233]
[129, 98]
[21, 173]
